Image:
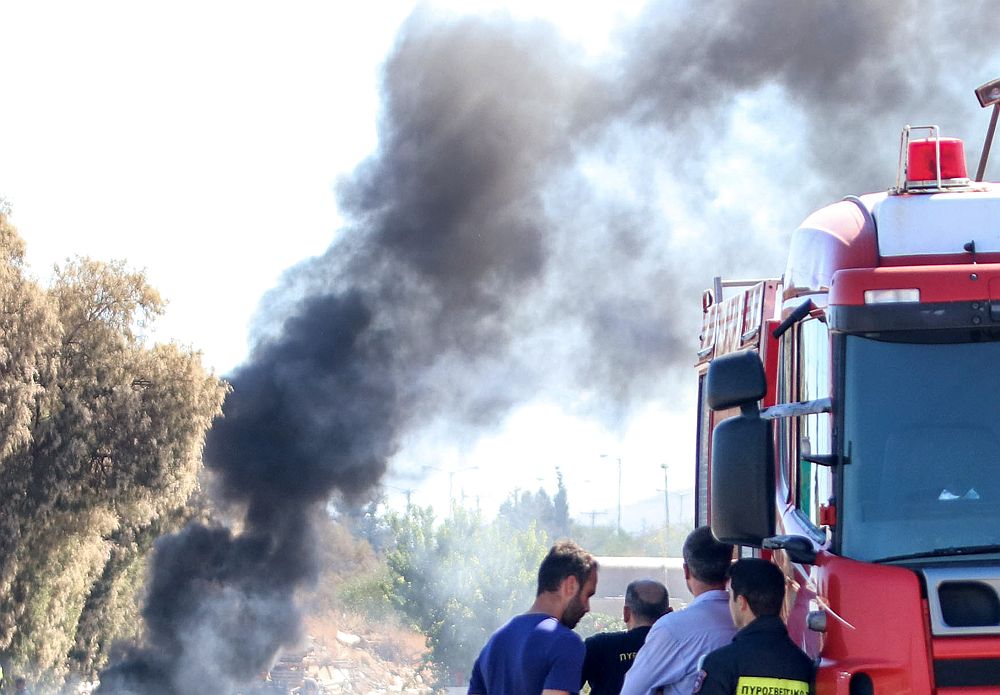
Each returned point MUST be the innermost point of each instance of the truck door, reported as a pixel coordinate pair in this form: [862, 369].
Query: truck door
[804, 375]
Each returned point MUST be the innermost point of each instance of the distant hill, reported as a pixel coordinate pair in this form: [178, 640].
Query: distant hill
[644, 514]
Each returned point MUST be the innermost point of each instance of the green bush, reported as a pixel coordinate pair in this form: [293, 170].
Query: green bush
[459, 581]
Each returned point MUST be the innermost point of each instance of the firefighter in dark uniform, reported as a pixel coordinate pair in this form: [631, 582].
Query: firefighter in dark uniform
[762, 659]
[610, 654]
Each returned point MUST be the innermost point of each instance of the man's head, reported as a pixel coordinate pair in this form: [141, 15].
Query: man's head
[706, 560]
[569, 574]
[756, 588]
[646, 601]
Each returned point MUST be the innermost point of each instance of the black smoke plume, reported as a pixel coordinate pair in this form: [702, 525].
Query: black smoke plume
[535, 223]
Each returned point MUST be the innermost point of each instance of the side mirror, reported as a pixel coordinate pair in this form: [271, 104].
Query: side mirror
[736, 379]
[742, 478]
[742, 511]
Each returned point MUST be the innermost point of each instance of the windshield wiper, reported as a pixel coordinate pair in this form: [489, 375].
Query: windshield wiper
[944, 552]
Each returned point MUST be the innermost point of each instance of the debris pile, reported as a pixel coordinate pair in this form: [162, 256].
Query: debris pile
[348, 664]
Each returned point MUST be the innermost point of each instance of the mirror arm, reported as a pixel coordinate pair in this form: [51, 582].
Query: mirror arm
[799, 313]
[820, 405]
[799, 548]
[821, 459]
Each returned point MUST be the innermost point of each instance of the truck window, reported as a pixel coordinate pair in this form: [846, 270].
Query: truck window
[701, 471]
[784, 427]
[920, 422]
[814, 484]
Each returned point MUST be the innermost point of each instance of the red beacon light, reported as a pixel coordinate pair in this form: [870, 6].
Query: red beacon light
[932, 164]
[926, 154]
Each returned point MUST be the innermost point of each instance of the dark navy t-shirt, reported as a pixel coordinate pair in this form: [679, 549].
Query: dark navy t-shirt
[609, 657]
[529, 654]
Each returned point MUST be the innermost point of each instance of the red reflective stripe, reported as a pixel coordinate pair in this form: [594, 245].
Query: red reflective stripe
[936, 284]
[966, 648]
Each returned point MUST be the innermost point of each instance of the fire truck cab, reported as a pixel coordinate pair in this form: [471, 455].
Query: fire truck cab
[849, 429]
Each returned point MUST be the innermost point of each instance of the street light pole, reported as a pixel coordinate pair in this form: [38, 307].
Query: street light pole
[619, 495]
[666, 498]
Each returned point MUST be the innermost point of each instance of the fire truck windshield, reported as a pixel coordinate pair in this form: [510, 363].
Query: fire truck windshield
[922, 440]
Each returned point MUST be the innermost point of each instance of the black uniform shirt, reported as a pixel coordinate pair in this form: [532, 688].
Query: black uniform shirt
[761, 660]
[609, 656]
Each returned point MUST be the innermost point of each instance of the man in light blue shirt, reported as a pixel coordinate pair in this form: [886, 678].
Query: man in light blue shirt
[668, 662]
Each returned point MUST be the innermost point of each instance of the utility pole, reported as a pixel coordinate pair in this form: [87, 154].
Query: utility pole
[408, 491]
[592, 515]
[451, 483]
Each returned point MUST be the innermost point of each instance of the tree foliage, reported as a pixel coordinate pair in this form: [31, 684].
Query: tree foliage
[605, 539]
[100, 449]
[458, 581]
[550, 514]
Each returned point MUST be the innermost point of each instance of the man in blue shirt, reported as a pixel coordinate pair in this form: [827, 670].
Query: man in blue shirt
[668, 661]
[538, 653]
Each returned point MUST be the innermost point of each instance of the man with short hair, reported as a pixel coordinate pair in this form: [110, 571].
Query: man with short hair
[762, 658]
[537, 653]
[610, 654]
[668, 661]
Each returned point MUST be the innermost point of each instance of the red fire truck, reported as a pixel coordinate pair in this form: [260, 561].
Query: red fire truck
[849, 427]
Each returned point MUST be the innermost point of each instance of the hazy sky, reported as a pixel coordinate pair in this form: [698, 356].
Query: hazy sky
[204, 142]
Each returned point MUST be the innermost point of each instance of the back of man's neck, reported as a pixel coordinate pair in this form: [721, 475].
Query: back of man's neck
[698, 587]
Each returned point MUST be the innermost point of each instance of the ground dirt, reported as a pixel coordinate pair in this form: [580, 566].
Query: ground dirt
[344, 654]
